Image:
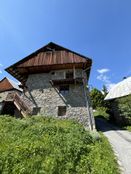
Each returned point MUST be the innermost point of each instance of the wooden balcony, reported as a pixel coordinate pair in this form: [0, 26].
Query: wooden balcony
[67, 81]
[22, 104]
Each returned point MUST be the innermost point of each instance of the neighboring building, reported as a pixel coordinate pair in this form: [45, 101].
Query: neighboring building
[7, 88]
[54, 80]
[120, 100]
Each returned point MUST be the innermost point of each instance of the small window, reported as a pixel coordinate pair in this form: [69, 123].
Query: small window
[64, 89]
[61, 110]
[69, 75]
[53, 73]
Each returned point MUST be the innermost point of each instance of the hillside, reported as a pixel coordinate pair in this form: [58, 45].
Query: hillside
[41, 145]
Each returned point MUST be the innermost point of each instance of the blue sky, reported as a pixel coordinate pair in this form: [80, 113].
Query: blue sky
[100, 29]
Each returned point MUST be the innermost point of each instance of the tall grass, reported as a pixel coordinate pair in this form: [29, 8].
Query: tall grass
[41, 145]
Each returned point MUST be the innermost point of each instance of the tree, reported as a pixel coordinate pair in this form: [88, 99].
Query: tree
[104, 90]
[97, 98]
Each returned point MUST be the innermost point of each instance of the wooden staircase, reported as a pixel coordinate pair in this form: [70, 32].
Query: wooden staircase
[21, 105]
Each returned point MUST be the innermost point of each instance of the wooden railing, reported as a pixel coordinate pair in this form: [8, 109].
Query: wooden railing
[20, 103]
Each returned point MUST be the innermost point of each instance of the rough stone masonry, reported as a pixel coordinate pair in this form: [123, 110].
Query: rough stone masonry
[48, 98]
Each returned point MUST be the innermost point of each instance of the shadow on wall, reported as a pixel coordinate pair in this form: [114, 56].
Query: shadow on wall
[74, 97]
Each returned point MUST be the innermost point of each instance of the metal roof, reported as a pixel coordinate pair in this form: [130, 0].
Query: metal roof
[121, 89]
[14, 84]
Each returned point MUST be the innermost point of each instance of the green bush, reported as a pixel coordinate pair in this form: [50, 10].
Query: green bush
[97, 98]
[124, 107]
[127, 128]
[41, 145]
[101, 112]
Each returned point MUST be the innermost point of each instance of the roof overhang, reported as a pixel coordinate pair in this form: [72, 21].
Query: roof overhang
[48, 58]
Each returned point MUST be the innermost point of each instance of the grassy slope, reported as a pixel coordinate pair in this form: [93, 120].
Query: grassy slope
[40, 145]
[127, 128]
[101, 113]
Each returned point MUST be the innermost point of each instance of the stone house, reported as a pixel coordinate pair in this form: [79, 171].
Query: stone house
[8, 88]
[54, 82]
[119, 98]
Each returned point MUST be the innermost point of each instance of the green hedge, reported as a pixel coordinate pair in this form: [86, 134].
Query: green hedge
[124, 108]
[41, 145]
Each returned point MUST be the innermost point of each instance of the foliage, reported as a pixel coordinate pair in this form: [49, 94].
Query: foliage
[97, 98]
[99, 158]
[101, 112]
[127, 128]
[124, 107]
[102, 107]
[104, 90]
[41, 145]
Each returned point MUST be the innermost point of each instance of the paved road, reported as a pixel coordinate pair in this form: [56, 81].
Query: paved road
[120, 141]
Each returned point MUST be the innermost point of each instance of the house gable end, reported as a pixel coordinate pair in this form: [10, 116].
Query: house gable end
[49, 57]
[7, 84]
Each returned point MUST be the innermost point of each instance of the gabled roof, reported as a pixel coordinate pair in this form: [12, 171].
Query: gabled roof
[121, 89]
[49, 57]
[7, 84]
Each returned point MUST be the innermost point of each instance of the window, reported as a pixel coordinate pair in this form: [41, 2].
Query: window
[53, 73]
[64, 89]
[61, 110]
[69, 75]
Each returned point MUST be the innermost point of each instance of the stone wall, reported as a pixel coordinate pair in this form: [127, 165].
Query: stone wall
[47, 97]
[3, 95]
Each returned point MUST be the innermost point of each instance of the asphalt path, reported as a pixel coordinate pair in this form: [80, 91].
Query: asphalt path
[120, 140]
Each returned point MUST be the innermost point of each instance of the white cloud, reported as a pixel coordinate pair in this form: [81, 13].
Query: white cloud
[0, 72]
[102, 76]
[103, 70]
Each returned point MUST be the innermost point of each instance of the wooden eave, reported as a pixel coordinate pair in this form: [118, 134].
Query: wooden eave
[21, 73]
[49, 57]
